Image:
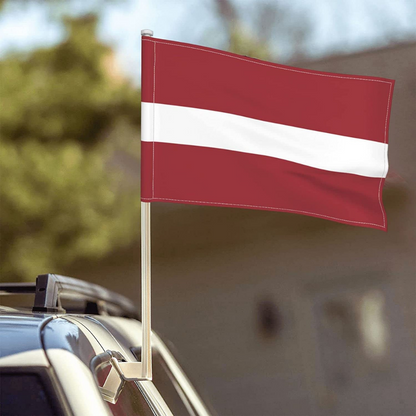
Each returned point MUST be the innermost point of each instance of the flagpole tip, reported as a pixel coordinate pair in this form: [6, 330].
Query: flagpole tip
[147, 32]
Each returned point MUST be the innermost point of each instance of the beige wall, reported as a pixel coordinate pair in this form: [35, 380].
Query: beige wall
[212, 267]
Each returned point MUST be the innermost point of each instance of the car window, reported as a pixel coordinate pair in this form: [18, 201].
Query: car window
[130, 402]
[25, 393]
[169, 388]
[167, 385]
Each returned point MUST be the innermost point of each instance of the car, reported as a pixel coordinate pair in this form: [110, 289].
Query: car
[62, 356]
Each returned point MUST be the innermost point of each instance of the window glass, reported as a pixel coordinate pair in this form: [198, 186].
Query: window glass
[130, 402]
[23, 394]
[169, 388]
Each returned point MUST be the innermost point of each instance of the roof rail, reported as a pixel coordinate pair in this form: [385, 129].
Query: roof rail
[50, 287]
[17, 288]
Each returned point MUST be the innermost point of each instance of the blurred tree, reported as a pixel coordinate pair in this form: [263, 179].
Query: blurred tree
[65, 92]
[295, 28]
[58, 203]
[252, 32]
[59, 198]
[240, 39]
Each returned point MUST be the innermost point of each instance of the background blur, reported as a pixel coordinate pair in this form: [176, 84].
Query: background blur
[273, 314]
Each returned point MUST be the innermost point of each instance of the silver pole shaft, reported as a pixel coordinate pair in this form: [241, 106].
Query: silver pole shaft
[146, 277]
[146, 291]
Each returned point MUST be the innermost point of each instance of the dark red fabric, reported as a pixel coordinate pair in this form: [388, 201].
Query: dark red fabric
[206, 176]
[193, 76]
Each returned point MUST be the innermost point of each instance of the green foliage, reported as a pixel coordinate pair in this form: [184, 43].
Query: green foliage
[58, 203]
[59, 199]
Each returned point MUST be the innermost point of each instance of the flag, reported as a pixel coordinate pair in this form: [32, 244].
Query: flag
[222, 129]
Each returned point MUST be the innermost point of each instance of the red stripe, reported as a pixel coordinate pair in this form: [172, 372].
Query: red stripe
[206, 176]
[194, 76]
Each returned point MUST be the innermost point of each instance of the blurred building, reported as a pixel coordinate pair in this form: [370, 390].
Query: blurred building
[281, 314]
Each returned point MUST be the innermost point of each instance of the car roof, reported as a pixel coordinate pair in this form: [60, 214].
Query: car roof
[20, 332]
[23, 331]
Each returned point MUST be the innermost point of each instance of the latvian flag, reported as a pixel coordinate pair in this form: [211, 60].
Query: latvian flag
[227, 130]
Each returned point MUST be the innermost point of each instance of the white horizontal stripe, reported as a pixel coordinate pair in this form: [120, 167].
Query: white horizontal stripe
[206, 128]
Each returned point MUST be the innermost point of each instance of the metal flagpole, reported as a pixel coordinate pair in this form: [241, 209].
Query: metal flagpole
[146, 292]
[133, 371]
[146, 275]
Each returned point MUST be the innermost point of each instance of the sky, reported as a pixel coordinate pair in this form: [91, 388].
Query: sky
[347, 26]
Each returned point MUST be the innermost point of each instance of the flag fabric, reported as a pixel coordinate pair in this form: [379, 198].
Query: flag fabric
[222, 129]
